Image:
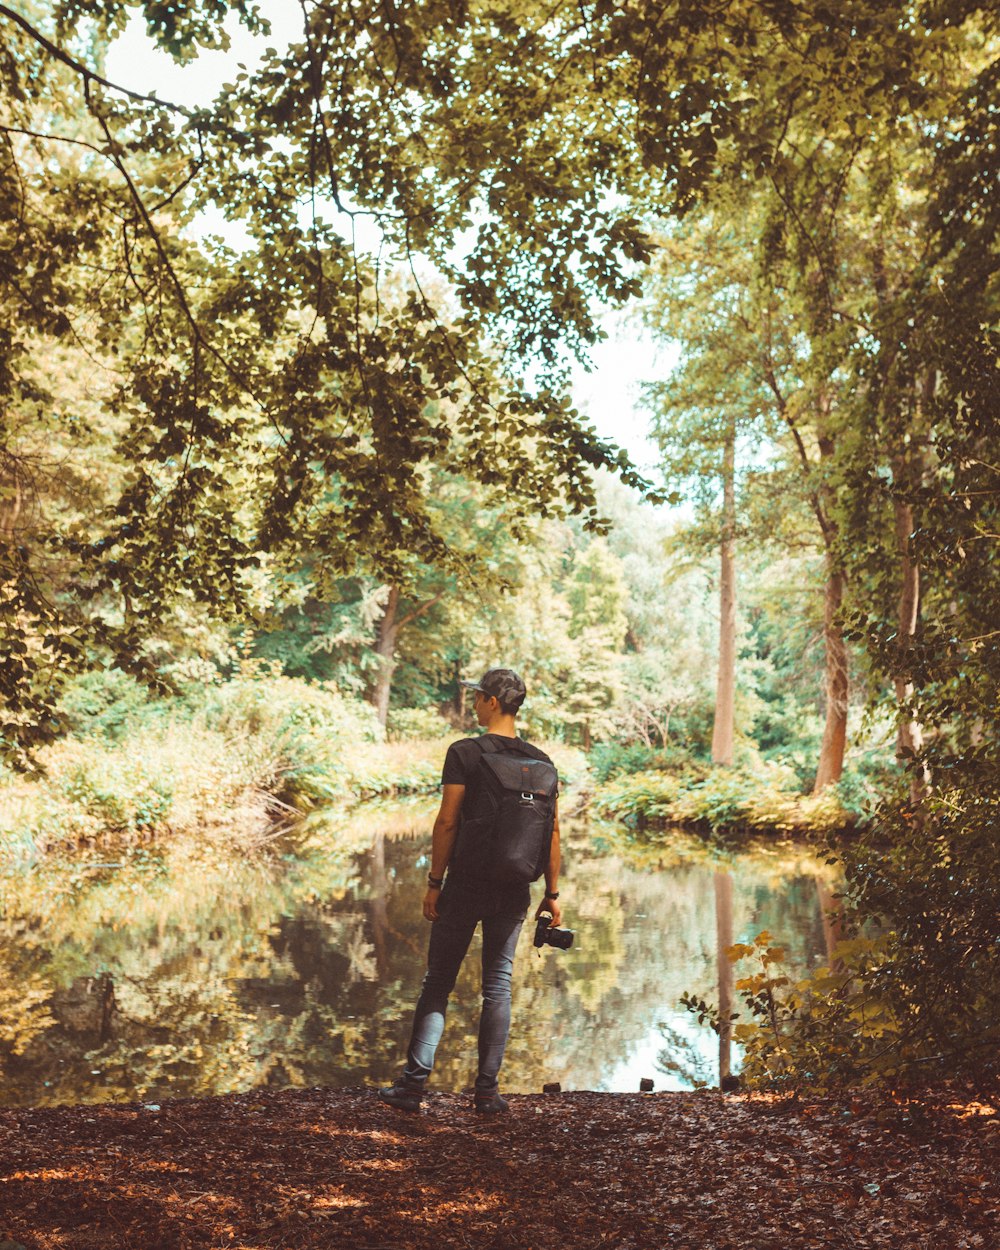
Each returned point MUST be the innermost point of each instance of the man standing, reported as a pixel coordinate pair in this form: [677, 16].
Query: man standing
[496, 831]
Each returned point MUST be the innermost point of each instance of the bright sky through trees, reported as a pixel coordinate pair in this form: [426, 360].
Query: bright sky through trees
[608, 394]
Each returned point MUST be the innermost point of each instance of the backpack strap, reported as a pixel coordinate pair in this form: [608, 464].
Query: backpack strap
[489, 746]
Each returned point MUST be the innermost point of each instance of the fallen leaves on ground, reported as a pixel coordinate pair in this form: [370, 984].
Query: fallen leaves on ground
[304, 1169]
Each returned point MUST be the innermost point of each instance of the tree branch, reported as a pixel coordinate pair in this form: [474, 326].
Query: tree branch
[419, 610]
[196, 330]
[88, 75]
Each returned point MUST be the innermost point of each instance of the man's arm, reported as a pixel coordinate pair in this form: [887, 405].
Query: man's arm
[443, 843]
[552, 876]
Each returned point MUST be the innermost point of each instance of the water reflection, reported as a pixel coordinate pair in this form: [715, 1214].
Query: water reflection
[177, 974]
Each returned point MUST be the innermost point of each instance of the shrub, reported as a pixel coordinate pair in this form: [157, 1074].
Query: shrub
[106, 702]
[415, 724]
[720, 799]
[172, 779]
[227, 764]
[614, 759]
[640, 800]
[320, 736]
[913, 993]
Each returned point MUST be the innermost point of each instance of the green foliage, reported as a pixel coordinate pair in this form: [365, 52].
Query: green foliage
[911, 999]
[107, 702]
[415, 723]
[292, 398]
[610, 760]
[232, 763]
[720, 801]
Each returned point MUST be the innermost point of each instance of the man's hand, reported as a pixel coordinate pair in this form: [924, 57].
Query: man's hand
[431, 903]
[550, 905]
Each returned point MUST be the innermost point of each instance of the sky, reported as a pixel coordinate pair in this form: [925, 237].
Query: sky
[607, 394]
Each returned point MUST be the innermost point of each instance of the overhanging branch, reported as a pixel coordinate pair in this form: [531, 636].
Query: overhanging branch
[88, 75]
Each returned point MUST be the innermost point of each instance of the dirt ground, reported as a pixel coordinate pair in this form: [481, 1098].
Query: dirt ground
[318, 1168]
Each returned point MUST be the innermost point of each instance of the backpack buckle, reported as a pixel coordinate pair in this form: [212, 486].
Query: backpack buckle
[527, 799]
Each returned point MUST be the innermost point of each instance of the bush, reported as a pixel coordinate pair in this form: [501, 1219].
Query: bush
[614, 759]
[321, 737]
[232, 762]
[108, 703]
[641, 800]
[912, 995]
[165, 780]
[720, 799]
[865, 784]
[408, 724]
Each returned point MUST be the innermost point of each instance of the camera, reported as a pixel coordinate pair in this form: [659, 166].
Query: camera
[562, 939]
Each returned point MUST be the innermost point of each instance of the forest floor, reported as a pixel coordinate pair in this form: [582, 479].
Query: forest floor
[291, 1169]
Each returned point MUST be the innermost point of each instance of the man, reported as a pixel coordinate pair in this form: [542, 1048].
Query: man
[477, 890]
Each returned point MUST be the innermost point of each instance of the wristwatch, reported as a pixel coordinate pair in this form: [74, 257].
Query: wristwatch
[552, 896]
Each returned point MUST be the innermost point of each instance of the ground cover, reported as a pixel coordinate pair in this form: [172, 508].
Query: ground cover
[314, 1169]
[758, 801]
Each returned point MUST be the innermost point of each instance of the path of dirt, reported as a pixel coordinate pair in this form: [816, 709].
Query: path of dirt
[323, 1169]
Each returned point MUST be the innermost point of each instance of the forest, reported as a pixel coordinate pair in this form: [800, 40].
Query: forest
[263, 503]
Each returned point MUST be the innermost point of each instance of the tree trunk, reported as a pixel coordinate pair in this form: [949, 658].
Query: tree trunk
[909, 734]
[832, 914]
[378, 906]
[723, 941]
[831, 752]
[11, 500]
[389, 628]
[724, 725]
[459, 700]
[385, 650]
[907, 471]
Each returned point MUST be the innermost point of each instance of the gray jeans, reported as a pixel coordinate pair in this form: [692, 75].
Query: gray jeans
[459, 911]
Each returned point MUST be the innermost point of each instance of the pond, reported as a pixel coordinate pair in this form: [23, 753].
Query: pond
[180, 973]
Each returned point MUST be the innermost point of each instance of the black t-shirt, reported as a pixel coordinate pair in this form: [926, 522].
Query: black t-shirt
[462, 768]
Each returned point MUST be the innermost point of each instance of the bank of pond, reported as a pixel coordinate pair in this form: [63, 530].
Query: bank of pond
[185, 969]
[244, 790]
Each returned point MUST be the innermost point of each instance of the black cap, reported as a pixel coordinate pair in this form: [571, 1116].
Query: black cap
[502, 684]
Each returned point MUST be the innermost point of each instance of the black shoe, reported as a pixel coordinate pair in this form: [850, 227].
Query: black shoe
[402, 1094]
[491, 1104]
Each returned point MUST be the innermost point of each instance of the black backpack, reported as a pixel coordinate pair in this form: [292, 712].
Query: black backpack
[508, 844]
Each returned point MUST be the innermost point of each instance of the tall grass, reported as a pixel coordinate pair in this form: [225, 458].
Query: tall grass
[233, 764]
[725, 800]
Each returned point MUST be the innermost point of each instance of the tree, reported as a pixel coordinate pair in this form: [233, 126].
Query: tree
[285, 399]
[737, 347]
[667, 664]
[597, 625]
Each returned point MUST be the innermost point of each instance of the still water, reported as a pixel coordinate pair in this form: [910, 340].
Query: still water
[182, 973]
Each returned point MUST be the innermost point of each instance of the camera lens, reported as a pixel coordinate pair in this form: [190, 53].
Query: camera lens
[560, 938]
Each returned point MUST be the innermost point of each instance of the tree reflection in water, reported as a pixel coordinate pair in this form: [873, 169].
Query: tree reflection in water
[182, 974]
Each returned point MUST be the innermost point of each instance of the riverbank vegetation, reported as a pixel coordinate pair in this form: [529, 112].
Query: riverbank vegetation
[350, 462]
[238, 764]
[762, 802]
[615, 638]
